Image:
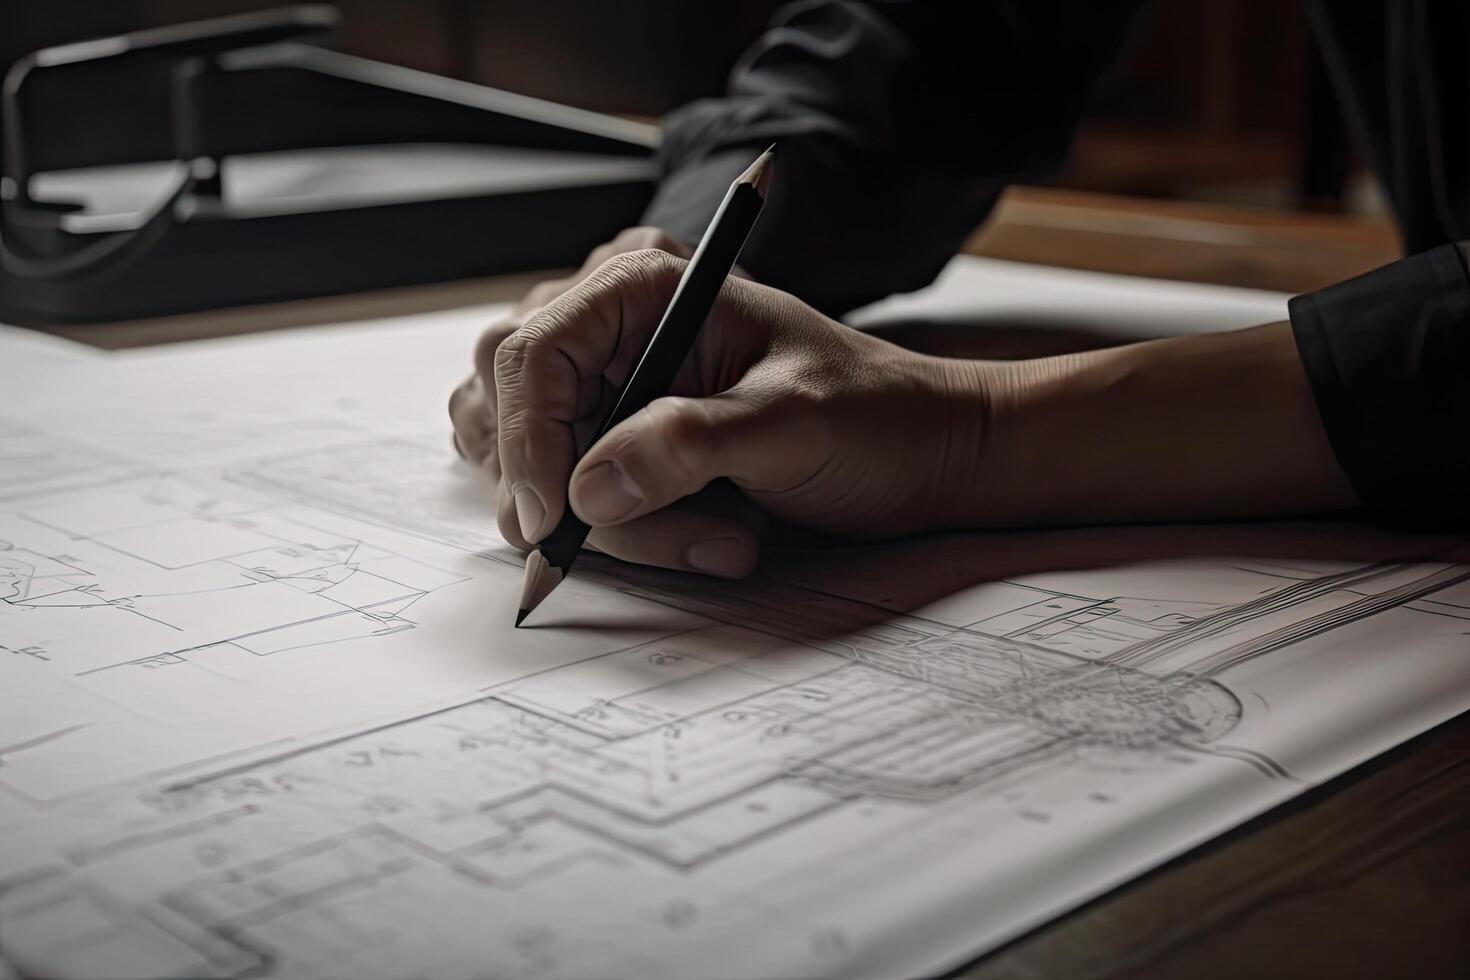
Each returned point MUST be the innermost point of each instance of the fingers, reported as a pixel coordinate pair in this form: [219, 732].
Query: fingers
[683, 541]
[543, 382]
[634, 240]
[627, 240]
[472, 404]
[716, 533]
[507, 519]
[474, 423]
[552, 372]
[677, 446]
[544, 292]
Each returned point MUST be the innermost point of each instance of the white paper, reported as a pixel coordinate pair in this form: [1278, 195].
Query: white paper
[261, 710]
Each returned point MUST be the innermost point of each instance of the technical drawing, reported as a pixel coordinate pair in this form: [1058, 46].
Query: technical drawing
[34, 462]
[165, 569]
[635, 792]
[641, 770]
[398, 483]
[78, 929]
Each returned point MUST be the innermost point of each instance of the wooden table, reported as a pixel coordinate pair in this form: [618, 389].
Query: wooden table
[1368, 876]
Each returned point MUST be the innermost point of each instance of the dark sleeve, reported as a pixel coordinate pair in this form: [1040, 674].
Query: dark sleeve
[1388, 356]
[899, 124]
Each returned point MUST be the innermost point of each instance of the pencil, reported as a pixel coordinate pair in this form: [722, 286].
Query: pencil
[668, 347]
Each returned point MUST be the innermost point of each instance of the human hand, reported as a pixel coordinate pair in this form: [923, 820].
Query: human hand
[824, 426]
[812, 422]
[472, 406]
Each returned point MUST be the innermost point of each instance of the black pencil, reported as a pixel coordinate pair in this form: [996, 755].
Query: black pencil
[665, 353]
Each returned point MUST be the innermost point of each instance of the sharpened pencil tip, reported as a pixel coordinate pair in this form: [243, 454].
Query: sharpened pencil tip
[521, 615]
[758, 174]
[541, 578]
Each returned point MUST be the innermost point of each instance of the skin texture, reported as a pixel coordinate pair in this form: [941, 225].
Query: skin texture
[472, 404]
[781, 412]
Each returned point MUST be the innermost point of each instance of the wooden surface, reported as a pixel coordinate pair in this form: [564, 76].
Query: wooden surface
[1368, 876]
[1292, 253]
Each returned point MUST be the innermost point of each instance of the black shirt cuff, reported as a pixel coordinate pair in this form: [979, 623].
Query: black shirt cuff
[1388, 358]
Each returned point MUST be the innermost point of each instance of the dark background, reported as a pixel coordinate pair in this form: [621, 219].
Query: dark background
[1213, 99]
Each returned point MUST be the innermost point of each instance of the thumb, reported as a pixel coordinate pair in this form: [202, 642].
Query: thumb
[670, 450]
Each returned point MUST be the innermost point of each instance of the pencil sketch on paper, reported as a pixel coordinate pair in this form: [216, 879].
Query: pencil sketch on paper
[34, 461]
[406, 491]
[162, 568]
[667, 790]
[867, 789]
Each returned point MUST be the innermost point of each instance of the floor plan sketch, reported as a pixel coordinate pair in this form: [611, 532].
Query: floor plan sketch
[695, 771]
[163, 569]
[34, 461]
[406, 488]
[262, 713]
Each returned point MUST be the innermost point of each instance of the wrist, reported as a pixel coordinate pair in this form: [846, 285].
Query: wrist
[977, 397]
[1054, 451]
[1199, 427]
[1006, 432]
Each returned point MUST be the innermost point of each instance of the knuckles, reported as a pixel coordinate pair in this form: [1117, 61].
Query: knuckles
[458, 395]
[646, 237]
[504, 350]
[489, 342]
[638, 268]
[509, 358]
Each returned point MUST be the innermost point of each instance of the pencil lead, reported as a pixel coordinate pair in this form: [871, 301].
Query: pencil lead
[758, 174]
[521, 615]
[541, 579]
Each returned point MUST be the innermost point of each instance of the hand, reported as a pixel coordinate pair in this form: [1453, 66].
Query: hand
[827, 427]
[472, 404]
[812, 422]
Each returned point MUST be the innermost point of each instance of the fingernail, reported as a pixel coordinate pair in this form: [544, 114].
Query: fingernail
[607, 493]
[727, 557]
[531, 512]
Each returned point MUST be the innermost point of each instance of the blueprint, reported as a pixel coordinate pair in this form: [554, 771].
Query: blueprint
[262, 713]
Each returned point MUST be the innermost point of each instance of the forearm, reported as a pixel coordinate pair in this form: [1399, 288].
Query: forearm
[1210, 426]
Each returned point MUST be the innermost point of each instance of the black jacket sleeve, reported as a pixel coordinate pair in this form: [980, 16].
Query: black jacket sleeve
[899, 123]
[1388, 357]
[1388, 353]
